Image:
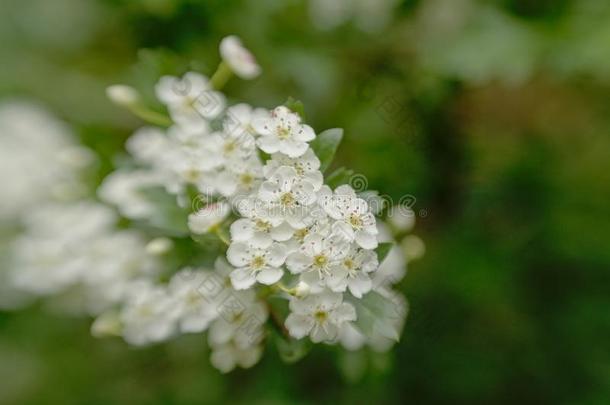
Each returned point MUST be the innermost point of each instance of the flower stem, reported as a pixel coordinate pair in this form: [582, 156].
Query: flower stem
[149, 115]
[221, 76]
[218, 232]
[277, 322]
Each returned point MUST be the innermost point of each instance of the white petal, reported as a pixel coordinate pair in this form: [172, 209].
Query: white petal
[238, 254]
[297, 262]
[270, 275]
[299, 326]
[360, 285]
[242, 230]
[366, 240]
[242, 278]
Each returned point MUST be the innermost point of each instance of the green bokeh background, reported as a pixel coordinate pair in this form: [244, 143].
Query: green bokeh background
[493, 114]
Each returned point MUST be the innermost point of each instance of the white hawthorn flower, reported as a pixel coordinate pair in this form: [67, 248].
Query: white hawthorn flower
[149, 315]
[191, 99]
[148, 145]
[240, 60]
[241, 320]
[225, 357]
[316, 258]
[193, 309]
[288, 195]
[238, 121]
[351, 338]
[124, 189]
[256, 262]
[283, 132]
[307, 167]
[352, 272]
[259, 225]
[240, 177]
[355, 222]
[320, 316]
[209, 217]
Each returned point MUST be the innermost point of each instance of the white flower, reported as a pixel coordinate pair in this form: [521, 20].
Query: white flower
[193, 309]
[316, 258]
[259, 225]
[320, 316]
[283, 132]
[190, 99]
[148, 145]
[124, 189]
[238, 121]
[306, 166]
[355, 222]
[122, 95]
[240, 177]
[241, 320]
[256, 262]
[239, 59]
[39, 161]
[286, 195]
[351, 338]
[148, 316]
[209, 217]
[352, 272]
[225, 357]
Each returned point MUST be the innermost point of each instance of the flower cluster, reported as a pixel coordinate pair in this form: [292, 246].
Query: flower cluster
[238, 186]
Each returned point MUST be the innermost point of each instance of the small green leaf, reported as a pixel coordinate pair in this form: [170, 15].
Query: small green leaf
[339, 177]
[292, 350]
[325, 146]
[382, 250]
[296, 106]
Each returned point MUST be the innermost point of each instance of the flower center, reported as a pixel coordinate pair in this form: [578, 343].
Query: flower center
[287, 199]
[246, 179]
[262, 226]
[283, 132]
[301, 234]
[192, 175]
[321, 316]
[355, 221]
[229, 147]
[257, 262]
[320, 260]
[349, 264]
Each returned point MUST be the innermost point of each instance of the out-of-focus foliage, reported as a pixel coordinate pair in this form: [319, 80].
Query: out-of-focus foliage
[493, 114]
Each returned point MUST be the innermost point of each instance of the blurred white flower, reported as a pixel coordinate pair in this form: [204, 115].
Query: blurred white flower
[122, 95]
[39, 160]
[320, 316]
[240, 60]
[149, 315]
[209, 217]
[191, 99]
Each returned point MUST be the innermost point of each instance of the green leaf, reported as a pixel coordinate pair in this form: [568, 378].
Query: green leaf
[296, 106]
[339, 177]
[292, 350]
[325, 146]
[383, 249]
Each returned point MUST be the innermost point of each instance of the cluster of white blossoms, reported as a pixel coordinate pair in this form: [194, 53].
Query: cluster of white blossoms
[73, 248]
[243, 188]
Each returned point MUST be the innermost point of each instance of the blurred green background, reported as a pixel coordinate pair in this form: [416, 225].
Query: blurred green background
[493, 114]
